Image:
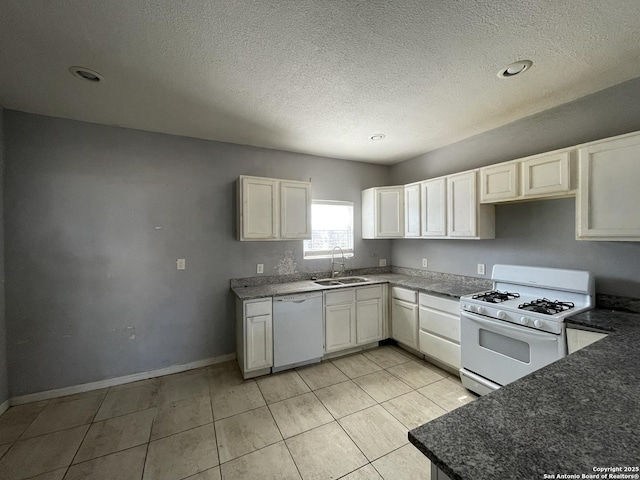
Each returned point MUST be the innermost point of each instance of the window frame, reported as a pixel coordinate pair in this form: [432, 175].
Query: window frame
[324, 254]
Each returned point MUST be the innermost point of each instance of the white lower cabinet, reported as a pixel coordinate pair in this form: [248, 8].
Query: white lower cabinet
[439, 336]
[369, 314]
[353, 316]
[404, 316]
[254, 336]
[578, 339]
[340, 327]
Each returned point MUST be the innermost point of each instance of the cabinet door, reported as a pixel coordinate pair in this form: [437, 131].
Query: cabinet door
[389, 212]
[412, 210]
[462, 205]
[545, 175]
[295, 210]
[499, 183]
[369, 321]
[259, 342]
[608, 196]
[259, 210]
[404, 322]
[340, 327]
[434, 208]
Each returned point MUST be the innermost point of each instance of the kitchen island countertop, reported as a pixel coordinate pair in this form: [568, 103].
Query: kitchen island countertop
[579, 413]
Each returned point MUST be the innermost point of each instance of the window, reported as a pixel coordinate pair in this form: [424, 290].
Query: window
[331, 226]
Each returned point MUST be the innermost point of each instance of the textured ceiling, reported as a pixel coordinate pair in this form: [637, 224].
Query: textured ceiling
[313, 76]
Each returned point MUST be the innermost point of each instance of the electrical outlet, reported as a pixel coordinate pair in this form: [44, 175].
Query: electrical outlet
[481, 269]
[383, 262]
[424, 262]
[181, 264]
[260, 268]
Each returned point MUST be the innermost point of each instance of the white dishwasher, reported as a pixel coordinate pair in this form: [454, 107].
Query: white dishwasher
[298, 337]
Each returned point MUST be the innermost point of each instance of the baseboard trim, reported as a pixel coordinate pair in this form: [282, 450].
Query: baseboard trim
[4, 406]
[112, 382]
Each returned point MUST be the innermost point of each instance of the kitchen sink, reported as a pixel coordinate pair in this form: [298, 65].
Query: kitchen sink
[349, 280]
[327, 283]
[332, 282]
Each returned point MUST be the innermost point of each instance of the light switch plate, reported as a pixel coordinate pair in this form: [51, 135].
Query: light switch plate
[383, 262]
[260, 268]
[181, 264]
[481, 269]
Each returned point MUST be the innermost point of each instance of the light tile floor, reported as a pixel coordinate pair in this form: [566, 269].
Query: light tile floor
[346, 418]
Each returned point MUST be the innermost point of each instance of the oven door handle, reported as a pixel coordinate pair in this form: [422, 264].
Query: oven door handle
[509, 330]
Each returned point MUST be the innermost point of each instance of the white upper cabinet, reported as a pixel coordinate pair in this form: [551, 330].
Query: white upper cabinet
[608, 202]
[383, 212]
[259, 213]
[295, 208]
[548, 175]
[466, 218]
[273, 209]
[434, 207]
[461, 204]
[444, 207]
[499, 182]
[412, 210]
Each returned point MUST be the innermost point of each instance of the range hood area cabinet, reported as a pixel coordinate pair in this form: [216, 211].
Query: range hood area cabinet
[608, 199]
[547, 175]
[273, 209]
[444, 207]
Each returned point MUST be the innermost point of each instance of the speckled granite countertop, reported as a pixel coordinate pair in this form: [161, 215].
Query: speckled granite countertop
[578, 413]
[451, 286]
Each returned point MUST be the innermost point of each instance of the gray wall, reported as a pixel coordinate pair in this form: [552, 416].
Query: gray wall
[4, 375]
[96, 217]
[535, 233]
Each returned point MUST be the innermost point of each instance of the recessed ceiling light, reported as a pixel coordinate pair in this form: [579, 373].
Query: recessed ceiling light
[377, 136]
[86, 74]
[515, 68]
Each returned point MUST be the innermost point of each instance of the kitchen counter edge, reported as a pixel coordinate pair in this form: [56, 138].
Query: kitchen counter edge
[580, 412]
[453, 288]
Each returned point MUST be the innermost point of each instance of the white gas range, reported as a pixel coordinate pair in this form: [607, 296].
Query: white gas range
[518, 327]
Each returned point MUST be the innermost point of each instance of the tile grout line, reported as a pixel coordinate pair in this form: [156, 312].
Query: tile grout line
[144, 463]
[87, 432]
[28, 426]
[213, 421]
[279, 431]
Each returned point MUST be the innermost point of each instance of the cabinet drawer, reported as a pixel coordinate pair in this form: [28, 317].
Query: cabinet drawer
[440, 303]
[253, 309]
[443, 350]
[369, 293]
[410, 296]
[443, 324]
[340, 297]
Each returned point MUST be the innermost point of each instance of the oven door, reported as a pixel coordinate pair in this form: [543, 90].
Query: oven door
[503, 352]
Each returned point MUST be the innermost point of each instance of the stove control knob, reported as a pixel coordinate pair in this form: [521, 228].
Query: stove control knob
[480, 310]
[501, 315]
[538, 323]
[465, 306]
[524, 320]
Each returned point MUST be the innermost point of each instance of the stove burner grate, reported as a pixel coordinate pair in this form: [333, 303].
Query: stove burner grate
[495, 296]
[546, 306]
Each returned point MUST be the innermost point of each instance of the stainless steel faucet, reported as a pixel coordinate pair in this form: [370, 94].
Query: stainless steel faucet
[334, 272]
